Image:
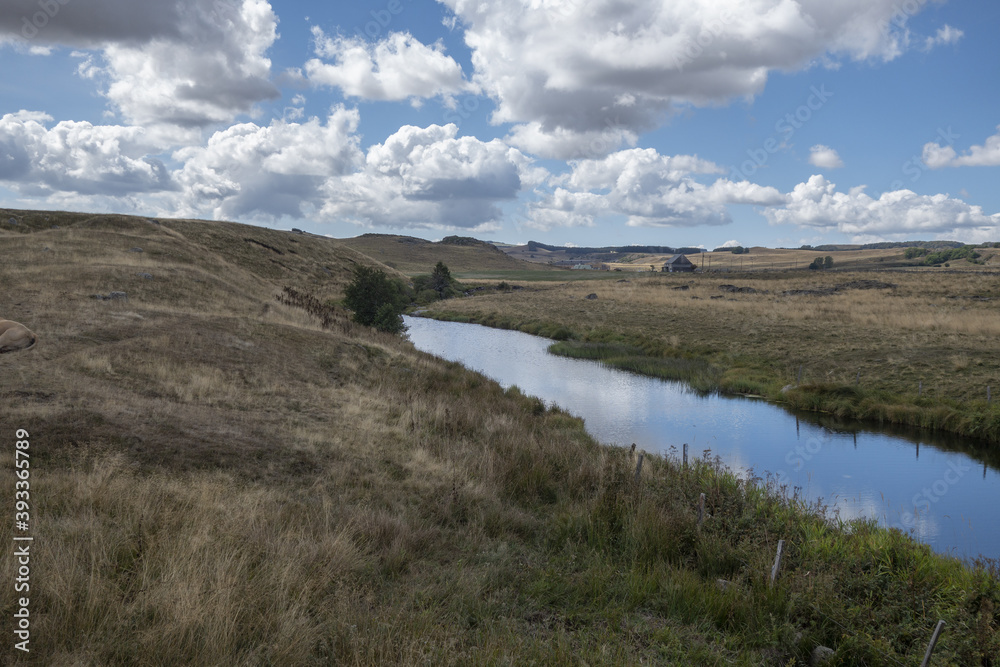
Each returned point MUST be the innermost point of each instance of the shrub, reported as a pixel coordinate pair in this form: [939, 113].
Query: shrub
[376, 299]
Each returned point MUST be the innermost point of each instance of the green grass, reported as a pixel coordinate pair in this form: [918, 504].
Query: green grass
[222, 477]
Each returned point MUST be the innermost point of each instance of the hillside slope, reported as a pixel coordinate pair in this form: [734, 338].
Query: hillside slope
[216, 478]
[414, 256]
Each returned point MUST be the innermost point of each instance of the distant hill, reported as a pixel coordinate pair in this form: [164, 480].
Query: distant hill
[542, 253]
[413, 255]
[214, 251]
[886, 245]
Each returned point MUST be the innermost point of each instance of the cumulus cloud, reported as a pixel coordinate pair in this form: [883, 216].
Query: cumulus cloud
[945, 35]
[573, 69]
[937, 156]
[648, 189]
[172, 67]
[429, 178]
[824, 157]
[396, 68]
[817, 203]
[268, 172]
[76, 157]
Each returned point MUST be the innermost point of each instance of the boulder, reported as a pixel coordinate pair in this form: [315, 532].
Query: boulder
[15, 337]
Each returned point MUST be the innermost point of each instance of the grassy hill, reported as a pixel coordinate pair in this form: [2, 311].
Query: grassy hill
[466, 258]
[218, 478]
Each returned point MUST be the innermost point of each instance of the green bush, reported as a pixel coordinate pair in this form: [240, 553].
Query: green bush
[376, 299]
[439, 282]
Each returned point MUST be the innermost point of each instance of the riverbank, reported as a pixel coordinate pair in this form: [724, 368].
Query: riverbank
[220, 476]
[912, 349]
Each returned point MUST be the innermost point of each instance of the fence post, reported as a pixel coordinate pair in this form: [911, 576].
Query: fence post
[777, 562]
[800, 375]
[685, 455]
[930, 647]
[638, 468]
[701, 509]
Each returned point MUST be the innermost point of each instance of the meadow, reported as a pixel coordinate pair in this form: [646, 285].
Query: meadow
[906, 347]
[219, 477]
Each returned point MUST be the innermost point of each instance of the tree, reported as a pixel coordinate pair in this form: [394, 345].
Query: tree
[376, 299]
[828, 262]
[441, 280]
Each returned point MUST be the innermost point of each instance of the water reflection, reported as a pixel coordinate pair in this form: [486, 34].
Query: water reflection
[924, 483]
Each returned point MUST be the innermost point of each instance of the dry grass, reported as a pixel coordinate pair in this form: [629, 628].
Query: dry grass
[938, 329]
[760, 260]
[218, 480]
[417, 256]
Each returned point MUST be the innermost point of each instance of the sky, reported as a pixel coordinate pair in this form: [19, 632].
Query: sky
[583, 122]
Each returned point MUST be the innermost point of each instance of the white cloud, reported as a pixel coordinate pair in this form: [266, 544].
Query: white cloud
[945, 35]
[396, 68]
[268, 172]
[648, 189]
[76, 157]
[216, 72]
[429, 178]
[937, 156]
[563, 144]
[573, 69]
[824, 157]
[816, 203]
[172, 67]
[731, 244]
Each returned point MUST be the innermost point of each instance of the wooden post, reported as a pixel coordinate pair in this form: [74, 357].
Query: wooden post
[685, 455]
[930, 647]
[800, 375]
[920, 389]
[638, 468]
[777, 562]
[988, 399]
[857, 380]
[701, 509]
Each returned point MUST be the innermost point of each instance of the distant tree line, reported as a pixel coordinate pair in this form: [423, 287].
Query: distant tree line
[641, 249]
[967, 252]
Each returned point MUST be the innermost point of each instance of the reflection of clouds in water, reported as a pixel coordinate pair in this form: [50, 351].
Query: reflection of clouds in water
[861, 475]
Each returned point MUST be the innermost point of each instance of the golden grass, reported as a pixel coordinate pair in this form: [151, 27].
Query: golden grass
[895, 338]
[218, 480]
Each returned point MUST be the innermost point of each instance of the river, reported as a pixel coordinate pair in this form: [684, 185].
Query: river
[922, 483]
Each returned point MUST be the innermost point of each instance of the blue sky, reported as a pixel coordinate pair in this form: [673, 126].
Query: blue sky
[676, 122]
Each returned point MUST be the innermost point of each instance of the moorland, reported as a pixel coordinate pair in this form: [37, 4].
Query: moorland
[227, 470]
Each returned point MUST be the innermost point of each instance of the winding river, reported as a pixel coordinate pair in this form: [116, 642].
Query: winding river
[926, 484]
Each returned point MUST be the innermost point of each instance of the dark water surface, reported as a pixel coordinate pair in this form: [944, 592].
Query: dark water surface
[922, 483]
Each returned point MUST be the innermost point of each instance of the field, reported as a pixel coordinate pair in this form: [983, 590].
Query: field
[772, 259]
[224, 471]
[915, 348]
